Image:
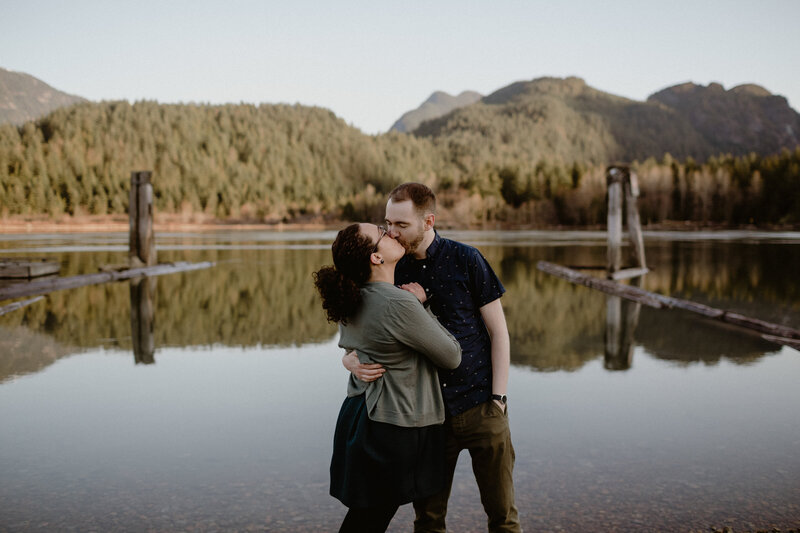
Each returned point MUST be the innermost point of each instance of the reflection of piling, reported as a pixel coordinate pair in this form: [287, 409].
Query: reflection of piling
[622, 317]
[143, 292]
[621, 180]
[142, 248]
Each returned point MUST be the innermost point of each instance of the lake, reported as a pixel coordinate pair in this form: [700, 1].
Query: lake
[222, 419]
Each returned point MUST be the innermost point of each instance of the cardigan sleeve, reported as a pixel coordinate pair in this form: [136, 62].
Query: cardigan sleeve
[411, 324]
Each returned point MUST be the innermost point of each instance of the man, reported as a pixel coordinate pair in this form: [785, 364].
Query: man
[464, 293]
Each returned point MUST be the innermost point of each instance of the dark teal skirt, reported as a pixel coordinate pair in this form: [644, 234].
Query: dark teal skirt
[379, 464]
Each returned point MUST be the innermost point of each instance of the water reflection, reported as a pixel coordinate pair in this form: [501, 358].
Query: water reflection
[143, 291]
[259, 296]
[621, 320]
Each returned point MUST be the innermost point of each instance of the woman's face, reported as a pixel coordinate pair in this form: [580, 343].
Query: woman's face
[387, 247]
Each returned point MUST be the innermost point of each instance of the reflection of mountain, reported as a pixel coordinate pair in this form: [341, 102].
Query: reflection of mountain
[266, 297]
[23, 351]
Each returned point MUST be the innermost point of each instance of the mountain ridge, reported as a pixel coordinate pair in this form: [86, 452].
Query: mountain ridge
[24, 97]
[437, 104]
[568, 120]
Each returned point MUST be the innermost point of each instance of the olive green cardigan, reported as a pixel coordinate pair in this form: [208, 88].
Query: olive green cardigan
[394, 329]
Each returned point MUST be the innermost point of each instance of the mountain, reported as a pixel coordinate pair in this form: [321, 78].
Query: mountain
[23, 97]
[567, 120]
[740, 120]
[438, 104]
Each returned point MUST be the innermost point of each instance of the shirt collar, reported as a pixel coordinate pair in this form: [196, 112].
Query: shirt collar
[435, 245]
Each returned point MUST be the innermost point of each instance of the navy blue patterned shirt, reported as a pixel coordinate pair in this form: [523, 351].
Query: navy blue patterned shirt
[458, 281]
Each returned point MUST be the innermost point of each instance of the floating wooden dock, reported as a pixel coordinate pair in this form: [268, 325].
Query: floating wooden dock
[27, 268]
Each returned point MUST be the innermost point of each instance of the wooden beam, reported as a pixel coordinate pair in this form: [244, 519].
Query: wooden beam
[18, 305]
[776, 331]
[627, 273]
[45, 286]
[626, 291]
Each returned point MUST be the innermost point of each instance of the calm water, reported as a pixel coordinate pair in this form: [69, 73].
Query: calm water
[666, 423]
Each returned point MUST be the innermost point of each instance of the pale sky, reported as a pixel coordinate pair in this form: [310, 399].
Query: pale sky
[371, 61]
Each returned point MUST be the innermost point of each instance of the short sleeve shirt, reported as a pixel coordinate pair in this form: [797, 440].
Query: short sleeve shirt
[459, 281]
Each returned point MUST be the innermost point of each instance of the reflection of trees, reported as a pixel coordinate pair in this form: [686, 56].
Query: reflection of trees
[266, 297]
[251, 297]
[555, 325]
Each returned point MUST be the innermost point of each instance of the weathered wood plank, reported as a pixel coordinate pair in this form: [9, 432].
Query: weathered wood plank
[27, 268]
[18, 305]
[45, 286]
[659, 300]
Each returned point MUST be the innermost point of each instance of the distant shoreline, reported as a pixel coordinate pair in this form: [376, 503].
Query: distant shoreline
[199, 223]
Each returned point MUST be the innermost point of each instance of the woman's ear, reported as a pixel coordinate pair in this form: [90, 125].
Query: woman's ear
[376, 259]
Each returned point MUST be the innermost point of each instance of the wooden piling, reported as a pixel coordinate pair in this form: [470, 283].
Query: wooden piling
[614, 179]
[632, 219]
[142, 247]
[620, 180]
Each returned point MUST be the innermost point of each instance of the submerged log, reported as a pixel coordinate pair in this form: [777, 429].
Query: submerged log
[45, 286]
[774, 332]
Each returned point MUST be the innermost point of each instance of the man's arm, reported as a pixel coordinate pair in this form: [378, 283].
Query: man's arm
[364, 372]
[495, 321]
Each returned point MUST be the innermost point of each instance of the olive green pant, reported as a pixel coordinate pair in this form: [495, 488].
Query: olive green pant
[483, 430]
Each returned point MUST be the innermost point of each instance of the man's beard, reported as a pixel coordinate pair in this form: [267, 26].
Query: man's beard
[411, 246]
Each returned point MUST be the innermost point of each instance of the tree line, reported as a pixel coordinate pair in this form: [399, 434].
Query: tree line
[272, 163]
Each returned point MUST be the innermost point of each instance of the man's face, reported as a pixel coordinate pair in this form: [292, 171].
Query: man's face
[404, 224]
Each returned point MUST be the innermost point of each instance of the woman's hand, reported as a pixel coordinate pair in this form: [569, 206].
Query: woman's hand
[366, 372]
[415, 289]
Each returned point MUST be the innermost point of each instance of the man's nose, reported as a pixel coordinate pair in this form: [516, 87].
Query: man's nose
[391, 232]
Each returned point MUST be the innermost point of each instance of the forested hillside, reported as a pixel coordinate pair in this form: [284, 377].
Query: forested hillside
[507, 161]
[267, 163]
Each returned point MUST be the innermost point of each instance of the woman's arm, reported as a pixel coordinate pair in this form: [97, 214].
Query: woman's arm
[418, 328]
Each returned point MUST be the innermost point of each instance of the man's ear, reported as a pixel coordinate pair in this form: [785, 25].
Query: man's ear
[430, 219]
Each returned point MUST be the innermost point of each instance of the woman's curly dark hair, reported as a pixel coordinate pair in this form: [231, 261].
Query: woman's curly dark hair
[340, 285]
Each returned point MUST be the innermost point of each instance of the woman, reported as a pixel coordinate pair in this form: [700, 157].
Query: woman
[389, 443]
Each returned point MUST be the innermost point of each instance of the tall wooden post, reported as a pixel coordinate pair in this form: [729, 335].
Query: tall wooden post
[614, 179]
[632, 219]
[142, 250]
[619, 178]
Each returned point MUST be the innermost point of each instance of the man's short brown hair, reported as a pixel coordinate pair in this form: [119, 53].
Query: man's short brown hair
[420, 195]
